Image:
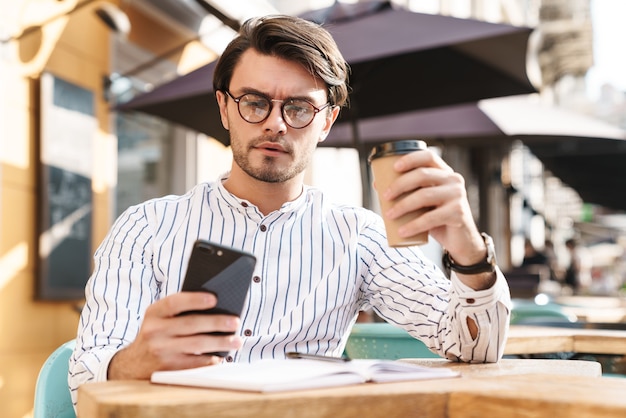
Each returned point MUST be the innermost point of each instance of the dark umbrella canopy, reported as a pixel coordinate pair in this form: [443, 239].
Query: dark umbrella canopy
[400, 61]
[188, 101]
[465, 122]
[585, 153]
[594, 167]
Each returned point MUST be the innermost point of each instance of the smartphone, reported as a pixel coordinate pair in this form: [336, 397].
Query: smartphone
[226, 272]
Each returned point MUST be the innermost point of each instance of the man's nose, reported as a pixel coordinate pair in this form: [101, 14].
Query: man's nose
[275, 122]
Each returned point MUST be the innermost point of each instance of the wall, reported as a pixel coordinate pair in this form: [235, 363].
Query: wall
[77, 49]
[31, 329]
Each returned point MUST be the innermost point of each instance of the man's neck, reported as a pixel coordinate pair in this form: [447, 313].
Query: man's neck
[267, 197]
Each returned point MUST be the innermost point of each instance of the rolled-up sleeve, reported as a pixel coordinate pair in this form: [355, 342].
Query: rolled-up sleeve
[117, 294]
[409, 290]
[489, 309]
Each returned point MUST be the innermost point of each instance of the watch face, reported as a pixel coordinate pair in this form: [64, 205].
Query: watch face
[491, 251]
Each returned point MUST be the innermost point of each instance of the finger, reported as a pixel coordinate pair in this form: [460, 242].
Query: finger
[190, 361]
[178, 303]
[424, 158]
[444, 205]
[447, 210]
[199, 323]
[414, 191]
[180, 360]
[186, 351]
[431, 220]
[418, 178]
[206, 343]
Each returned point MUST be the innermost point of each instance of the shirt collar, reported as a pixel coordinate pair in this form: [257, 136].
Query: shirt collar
[245, 205]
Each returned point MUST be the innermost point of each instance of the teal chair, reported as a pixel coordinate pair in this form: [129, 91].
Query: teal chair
[52, 395]
[380, 340]
[527, 312]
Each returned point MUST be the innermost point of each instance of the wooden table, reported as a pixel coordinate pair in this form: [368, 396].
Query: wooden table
[508, 367]
[594, 308]
[524, 339]
[512, 388]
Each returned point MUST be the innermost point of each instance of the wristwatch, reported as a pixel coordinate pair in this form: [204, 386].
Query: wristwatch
[488, 265]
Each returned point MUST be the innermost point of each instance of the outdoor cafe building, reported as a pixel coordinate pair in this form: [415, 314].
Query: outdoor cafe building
[69, 164]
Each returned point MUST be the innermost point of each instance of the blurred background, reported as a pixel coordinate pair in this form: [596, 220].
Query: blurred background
[545, 171]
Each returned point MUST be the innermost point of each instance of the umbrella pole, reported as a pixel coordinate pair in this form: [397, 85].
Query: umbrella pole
[366, 181]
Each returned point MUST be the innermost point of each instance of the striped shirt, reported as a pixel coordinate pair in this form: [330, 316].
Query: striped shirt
[318, 265]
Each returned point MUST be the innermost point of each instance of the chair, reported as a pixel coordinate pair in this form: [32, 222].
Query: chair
[527, 312]
[380, 340]
[52, 395]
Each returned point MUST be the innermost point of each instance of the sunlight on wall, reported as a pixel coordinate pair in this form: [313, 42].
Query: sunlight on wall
[336, 172]
[12, 263]
[15, 153]
[104, 174]
[214, 159]
[43, 41]
[194, 56]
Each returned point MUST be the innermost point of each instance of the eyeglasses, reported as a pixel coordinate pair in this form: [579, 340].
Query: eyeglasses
[297, 113]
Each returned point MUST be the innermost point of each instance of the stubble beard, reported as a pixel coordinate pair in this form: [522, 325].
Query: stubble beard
[268, 171]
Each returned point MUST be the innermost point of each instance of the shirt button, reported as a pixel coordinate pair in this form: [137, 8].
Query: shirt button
[263, 228]
[247, 333]
[470, 300]
[244, 204]
[229, 359]
[256, 279]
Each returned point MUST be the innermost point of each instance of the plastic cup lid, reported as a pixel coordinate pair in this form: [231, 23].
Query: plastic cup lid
[396, 148]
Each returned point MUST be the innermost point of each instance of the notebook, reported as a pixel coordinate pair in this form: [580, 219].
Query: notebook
[275, 375]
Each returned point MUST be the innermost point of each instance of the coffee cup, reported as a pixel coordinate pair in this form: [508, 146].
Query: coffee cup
[381, 159]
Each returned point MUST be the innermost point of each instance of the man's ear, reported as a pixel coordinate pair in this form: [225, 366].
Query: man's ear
[331, 117]
[221, 102]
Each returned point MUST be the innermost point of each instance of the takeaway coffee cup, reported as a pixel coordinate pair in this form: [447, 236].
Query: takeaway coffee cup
[381, 160]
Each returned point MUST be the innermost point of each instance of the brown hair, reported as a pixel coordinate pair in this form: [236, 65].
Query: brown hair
[293, 39]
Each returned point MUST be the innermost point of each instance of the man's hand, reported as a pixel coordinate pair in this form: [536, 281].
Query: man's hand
[431, 183]
[169, 341]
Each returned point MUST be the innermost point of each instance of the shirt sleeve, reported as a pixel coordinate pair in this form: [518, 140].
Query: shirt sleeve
[407, 289]
[117, 294]
[490, 309]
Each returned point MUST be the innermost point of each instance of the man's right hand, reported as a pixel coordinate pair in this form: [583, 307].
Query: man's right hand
[169, 341]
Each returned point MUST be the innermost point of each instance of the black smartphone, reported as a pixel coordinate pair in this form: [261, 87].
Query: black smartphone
[226, 272]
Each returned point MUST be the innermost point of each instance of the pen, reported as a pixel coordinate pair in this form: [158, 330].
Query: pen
[295, 355]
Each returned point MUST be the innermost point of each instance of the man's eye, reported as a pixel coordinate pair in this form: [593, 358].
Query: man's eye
[298, 109]
[255, 102]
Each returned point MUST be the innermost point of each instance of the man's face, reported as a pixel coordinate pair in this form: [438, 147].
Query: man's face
[272, 151]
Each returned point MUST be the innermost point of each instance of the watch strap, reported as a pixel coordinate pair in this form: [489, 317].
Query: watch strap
[487, 265]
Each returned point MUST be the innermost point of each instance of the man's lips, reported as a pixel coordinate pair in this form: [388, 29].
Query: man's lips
[271, 148]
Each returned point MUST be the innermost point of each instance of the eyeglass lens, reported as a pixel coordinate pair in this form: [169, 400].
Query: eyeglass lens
[297, 113]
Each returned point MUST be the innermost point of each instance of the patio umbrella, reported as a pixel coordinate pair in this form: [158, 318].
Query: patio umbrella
[587, 154]
[400, 61]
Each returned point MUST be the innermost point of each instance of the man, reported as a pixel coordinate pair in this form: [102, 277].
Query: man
[280, 85]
